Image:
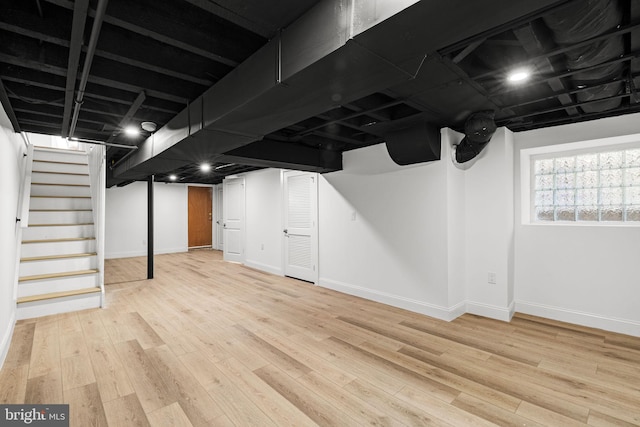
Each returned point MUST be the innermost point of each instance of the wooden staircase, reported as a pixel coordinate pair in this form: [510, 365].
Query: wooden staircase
[58, 262]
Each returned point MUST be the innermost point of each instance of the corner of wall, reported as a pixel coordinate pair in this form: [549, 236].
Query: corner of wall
[491, 311]
[6, 337]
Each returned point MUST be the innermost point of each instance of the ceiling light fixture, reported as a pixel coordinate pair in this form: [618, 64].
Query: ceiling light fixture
[149, 126]
[172, 177]
[518, 76]
[205, 167]
[131, 131]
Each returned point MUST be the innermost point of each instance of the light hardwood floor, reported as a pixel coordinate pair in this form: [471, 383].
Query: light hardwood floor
[209, 343]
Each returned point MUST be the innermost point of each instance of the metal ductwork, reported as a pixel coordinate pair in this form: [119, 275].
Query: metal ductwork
[581, 20]
[338, 52]
[415, 144]
[478, 130]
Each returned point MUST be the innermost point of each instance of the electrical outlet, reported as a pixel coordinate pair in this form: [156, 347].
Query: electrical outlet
[491, 278]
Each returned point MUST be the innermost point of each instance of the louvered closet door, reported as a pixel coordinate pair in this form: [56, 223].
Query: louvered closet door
[234, 213]
[301, 230]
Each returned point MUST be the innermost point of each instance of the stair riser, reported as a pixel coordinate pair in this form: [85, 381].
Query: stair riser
[50, 266]
[45, 286]
[59, 232]
[58, 305]
[55, 178]
[59, 167]
[58, 190]
[59, 203]
[57, 248]
[60, 156]
[79, 217]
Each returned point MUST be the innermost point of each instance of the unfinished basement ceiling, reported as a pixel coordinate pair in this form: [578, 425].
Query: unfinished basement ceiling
[157, 60]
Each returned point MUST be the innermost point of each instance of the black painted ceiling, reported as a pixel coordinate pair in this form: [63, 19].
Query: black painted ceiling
[153, 58]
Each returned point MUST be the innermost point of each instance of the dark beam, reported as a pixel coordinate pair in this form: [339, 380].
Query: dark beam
[104, 54]
[552, 110]
[276, 154]
[360, 112]
[531, 44]
[150, 227]
[624, 58]
[548, 54]
[127, 117]
[146, 66]
[6, 104]
[154, 35]
[231, 16]
[59, 71]
[524, 20]
[75, 48]
[467, 50]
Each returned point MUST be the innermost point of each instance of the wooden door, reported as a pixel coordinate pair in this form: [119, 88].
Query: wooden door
[200, 217]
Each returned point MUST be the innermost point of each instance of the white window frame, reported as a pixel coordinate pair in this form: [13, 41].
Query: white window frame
[529, 155]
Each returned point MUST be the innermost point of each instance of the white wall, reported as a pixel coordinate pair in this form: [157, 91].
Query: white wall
[582, 274]
[11, 170]
[383, 231]
[489, 229]
[264, 209]
[126, 219]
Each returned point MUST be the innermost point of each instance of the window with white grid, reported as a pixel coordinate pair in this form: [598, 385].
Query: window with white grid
[592, 186]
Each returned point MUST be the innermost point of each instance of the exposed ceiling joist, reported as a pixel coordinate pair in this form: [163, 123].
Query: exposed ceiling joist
[153, 34]
[75, 48]
[59, 71]
[231, 16]
[127, 117]
[6, 104]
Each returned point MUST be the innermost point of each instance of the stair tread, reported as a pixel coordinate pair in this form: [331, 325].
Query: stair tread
[65, 150]
[59, 210]
[61, 173]
[60, 163]
[65, 239]
[57, 275]
[61, 294]
[48, 257]
[59, 225]
[61, 197]
[60, 185]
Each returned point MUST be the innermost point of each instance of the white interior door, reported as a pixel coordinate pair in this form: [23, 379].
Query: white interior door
[233, 219]
[301, 225]
[219, 218]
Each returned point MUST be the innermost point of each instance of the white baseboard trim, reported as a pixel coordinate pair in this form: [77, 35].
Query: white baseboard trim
[432, 310]
[623, 326]
[131, 254]
[6, 338]
[491, 311]
[264, 267]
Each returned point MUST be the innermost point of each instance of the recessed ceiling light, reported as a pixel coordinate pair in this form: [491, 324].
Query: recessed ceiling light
[518, 76]
[131, 131]
[205, 167]
[172, 177]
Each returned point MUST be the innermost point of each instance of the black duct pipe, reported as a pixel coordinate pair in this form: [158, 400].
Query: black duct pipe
[580, 20]
[478, 130]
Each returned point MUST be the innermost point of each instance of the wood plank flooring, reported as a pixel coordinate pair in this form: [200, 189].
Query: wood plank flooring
[209, 343]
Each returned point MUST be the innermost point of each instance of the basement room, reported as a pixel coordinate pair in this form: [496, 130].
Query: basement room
[320, 213]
